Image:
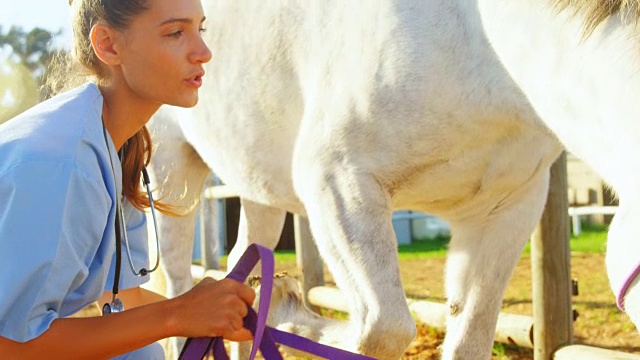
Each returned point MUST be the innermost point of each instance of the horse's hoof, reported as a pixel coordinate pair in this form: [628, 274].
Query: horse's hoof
[286, 299]
[256, 280]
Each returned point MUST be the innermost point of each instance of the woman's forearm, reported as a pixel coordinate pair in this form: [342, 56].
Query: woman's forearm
[212, 308]
[97, 337]
[132, 298]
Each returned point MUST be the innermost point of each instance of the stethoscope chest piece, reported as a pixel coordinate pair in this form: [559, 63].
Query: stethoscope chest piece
[113, 307]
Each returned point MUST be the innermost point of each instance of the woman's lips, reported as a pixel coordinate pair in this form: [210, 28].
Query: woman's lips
[196, 80]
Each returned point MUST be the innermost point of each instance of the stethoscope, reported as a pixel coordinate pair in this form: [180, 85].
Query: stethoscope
[116, 305]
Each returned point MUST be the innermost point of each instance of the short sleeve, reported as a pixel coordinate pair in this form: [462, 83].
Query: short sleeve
[52, 222]
[136, 225]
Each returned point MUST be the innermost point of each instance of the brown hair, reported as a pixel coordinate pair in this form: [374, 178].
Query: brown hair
[70, 70]
[596, 11]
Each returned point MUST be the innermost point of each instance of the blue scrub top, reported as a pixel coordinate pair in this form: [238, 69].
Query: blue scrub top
[57, 214]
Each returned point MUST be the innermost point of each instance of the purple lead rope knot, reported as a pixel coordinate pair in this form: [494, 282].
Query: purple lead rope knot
[264, 337]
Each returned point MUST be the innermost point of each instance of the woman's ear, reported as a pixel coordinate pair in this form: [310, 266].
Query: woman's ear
[104, 42]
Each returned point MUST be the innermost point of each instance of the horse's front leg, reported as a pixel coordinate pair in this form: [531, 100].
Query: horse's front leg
[178, 175]
[350, 216]
[483, 253]
[259, 224]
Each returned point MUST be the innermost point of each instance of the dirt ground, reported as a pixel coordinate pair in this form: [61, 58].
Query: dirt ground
[599, 322]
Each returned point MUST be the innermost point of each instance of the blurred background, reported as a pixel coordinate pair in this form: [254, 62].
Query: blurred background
[31, 31]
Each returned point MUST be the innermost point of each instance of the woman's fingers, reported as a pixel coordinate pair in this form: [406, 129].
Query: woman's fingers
[239, 335]
[247, 294]
[217, 308]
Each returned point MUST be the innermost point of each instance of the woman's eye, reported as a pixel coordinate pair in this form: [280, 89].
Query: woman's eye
[176, 34]
[202, 29]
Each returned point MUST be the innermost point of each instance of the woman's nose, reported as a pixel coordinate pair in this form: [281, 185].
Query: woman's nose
[202, 53]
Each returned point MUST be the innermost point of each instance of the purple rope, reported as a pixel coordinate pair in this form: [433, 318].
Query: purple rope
[197, 348]
[625, 286]
[264, 337]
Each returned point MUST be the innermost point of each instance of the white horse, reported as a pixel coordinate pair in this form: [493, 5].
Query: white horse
[346, 110]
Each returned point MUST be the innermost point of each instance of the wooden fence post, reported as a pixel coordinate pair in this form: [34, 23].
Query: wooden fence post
[551, 270]
[308, 259]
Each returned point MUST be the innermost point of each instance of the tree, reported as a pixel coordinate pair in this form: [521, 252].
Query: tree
[24, 57]
[33, 49]
[18, 89]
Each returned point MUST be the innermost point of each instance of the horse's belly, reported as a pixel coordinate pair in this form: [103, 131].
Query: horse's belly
[477, 180]
[257, 171]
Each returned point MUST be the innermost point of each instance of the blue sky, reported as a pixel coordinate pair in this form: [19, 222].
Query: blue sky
[52, 15]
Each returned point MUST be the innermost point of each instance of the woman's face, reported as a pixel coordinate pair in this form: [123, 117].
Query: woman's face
[164, 52]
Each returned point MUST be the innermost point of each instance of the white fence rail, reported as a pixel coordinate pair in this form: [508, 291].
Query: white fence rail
[224, 191]
[576, 212]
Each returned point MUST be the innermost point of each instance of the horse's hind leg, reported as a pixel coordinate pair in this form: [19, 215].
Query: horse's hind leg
[483, 253]
[259, 224]
[179, 174]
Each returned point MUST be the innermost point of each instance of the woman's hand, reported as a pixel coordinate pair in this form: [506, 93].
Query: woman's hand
[213, 308]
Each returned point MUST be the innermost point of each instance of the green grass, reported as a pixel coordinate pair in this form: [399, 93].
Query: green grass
[281, 256]
[416, 250]
[592, 240]
[285, 255]
[425, 248]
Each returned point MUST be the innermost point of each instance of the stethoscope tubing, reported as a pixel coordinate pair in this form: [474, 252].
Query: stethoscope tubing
[120, 226]
[143, 271]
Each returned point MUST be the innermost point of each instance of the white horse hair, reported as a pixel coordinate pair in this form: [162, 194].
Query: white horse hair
[346, 110]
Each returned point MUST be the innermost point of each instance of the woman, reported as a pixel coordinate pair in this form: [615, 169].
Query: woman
[60, 186]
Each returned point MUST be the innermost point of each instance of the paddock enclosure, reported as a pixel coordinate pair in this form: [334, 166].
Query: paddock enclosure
[342, 111]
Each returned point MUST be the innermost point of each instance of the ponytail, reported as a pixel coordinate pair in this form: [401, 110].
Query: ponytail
[136, 154]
